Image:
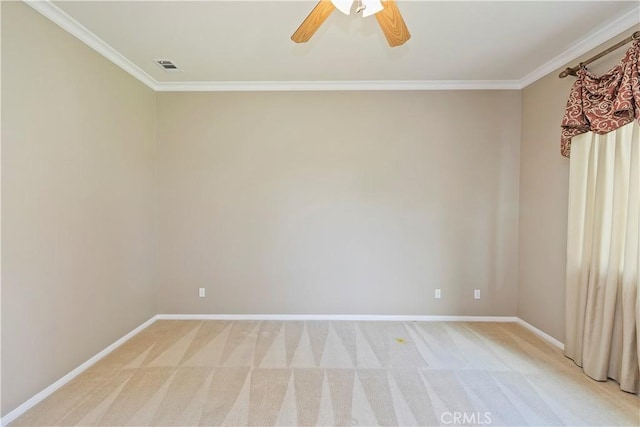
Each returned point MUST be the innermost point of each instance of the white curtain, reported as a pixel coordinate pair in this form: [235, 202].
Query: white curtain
[603, 256]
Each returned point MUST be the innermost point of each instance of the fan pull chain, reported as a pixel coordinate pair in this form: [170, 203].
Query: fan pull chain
[360, 7]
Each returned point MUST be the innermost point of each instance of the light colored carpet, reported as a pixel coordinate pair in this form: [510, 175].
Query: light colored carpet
[264, 373]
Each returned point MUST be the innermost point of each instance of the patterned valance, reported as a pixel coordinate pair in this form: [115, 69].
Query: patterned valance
[603, 104]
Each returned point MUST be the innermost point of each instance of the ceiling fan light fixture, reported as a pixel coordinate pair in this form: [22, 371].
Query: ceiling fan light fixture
[371, 7]
[343, 6]
[388, 16]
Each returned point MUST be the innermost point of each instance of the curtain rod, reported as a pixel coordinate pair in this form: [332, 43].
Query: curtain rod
[572, 71]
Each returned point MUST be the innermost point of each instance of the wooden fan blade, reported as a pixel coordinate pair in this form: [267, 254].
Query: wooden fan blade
[312, 22]
[392, 24]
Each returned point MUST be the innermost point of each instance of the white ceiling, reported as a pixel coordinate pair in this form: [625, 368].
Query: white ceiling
[235, 41]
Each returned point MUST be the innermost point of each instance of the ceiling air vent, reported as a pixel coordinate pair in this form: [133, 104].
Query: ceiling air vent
[166, 64]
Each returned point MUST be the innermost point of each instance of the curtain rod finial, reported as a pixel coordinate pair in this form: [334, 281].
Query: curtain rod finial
[565, 73]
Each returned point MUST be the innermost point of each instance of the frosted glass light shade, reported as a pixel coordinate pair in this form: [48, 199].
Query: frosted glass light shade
[343, 6]
[372, 7]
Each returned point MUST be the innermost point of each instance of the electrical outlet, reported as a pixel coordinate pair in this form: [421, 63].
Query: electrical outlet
[201, 292]
[476, 294]
[437, 294]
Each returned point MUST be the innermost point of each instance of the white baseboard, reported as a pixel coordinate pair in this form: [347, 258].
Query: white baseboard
[541, 334]
[349, 317]
[71, 375]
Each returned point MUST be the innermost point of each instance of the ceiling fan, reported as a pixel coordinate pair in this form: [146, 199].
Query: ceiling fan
[386, 12]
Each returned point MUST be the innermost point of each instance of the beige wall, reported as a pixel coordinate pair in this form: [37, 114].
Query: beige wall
[544, 185]
[326, 202]
[78, 203]
[338, 202]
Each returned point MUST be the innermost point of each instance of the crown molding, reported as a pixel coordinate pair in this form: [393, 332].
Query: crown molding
[79, 31]
[336, 85]
[590, 42]
[48, 9]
